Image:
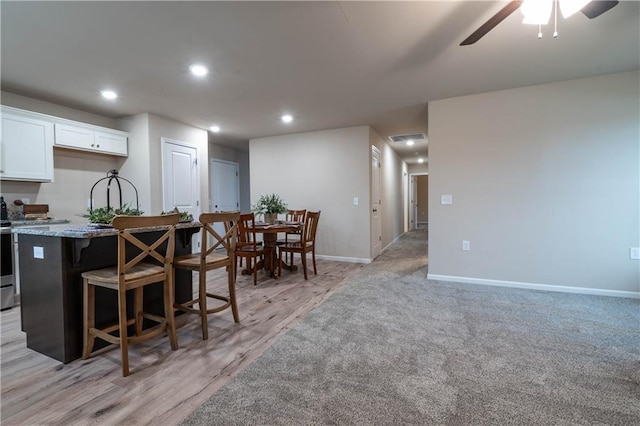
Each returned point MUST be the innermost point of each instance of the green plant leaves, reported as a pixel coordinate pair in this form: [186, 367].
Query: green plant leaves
[271, 203]
[105, 215]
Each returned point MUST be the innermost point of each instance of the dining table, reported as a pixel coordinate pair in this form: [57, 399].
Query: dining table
[269, 238]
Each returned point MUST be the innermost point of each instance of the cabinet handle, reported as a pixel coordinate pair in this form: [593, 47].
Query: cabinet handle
[98, 146]
[92, 145]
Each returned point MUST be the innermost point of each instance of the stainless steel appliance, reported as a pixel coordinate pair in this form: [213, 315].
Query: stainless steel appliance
[7, 282]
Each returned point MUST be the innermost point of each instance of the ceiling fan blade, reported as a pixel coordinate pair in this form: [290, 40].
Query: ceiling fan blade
[597, 8]
[492, 22]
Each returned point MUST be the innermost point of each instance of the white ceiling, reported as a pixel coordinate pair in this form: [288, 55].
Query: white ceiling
[329, 64]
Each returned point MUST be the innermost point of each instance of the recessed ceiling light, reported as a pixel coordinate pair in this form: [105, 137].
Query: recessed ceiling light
[287, 118]
[109, 94]
[410, 142]
[198, 70]
[420, 160]
[215, 129]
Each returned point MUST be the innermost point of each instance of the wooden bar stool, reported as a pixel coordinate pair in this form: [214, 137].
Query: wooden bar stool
[133, 275]
[218, 251]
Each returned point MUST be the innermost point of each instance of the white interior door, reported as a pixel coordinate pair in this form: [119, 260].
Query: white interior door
[225, 185]
[225, 188]
[376, 224]
[180, 179]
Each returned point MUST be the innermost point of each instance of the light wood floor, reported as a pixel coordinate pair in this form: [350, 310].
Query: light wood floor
[164, 386]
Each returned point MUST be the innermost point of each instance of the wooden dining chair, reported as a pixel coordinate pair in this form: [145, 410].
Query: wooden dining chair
[133, 275]
[218, 251]
[293, 216]
[248, 247]
[307, 243]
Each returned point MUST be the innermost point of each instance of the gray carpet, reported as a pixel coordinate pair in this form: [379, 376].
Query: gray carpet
[391, 347]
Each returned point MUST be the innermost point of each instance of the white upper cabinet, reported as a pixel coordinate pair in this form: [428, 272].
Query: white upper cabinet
[91, 138]
[26, 148]
[113, 142]
[28, 139]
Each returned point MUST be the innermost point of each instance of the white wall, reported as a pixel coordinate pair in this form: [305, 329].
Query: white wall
[324, 171]
[545, 182]
[161, 127]
[136, 167]
[415, 169]
[144, 165]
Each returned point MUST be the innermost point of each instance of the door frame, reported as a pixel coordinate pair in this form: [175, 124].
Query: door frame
[376, 220]
[413, 209]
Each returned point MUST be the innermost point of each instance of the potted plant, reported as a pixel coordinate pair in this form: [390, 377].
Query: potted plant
[184, 216]
[269, 206]
[104, 215]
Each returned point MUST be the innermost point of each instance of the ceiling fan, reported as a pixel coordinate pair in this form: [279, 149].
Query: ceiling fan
[592, 9]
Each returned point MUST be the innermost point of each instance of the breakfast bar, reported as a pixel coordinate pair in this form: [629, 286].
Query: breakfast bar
[52, 259]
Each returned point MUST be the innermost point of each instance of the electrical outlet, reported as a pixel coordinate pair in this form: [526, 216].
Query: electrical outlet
[466, 245]
[634, 253]
[446, 199]
[26, 200]
[38, 252]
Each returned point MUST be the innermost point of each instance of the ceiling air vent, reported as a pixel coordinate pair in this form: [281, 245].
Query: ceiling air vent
[416, 137]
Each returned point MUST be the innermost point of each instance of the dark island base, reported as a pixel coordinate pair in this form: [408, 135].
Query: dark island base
[51, 289]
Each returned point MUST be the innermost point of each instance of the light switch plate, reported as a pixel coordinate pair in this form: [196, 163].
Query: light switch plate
[356, 201]
[634, 253]
[38, 252]
[446, 199]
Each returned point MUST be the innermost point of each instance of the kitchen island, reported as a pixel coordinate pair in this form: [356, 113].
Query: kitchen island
[51, 261]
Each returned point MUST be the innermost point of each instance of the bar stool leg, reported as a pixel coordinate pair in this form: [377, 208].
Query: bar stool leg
[137, 309]
[202, 301]
[124, 342]
[89, 318]
[168, 286]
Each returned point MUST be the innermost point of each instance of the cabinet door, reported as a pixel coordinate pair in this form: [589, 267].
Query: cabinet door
[111, 143]
[26, 148]
[74, 137]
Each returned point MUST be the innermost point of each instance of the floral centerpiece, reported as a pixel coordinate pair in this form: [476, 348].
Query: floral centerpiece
[269, 206]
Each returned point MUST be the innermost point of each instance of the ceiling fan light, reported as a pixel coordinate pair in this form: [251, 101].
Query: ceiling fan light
[536, 12]
[569, 7]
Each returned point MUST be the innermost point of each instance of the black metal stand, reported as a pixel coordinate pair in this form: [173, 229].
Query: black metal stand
[112, 175]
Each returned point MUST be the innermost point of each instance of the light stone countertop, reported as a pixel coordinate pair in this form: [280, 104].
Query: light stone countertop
[38, 222]
[86, 231]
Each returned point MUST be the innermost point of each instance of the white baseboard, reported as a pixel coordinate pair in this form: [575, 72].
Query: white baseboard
[343, 259]
[531, 286]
